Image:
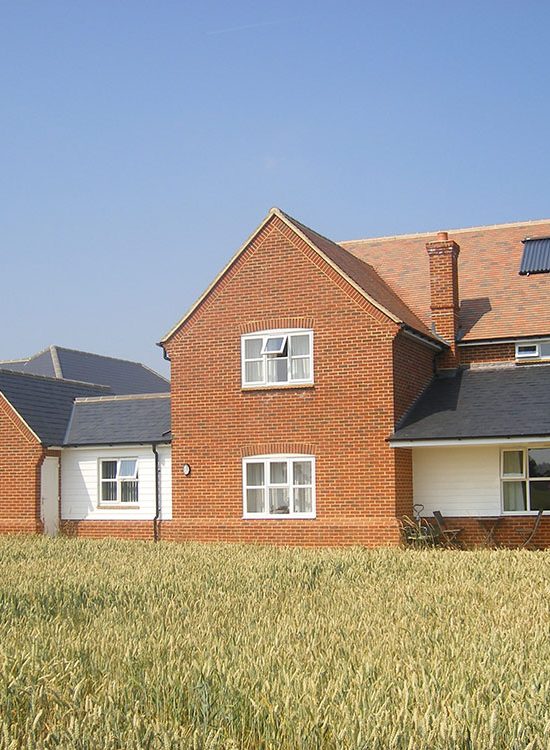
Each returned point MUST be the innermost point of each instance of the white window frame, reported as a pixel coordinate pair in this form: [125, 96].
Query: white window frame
[266, 335]
[119, 481]
[523, 477]
[536, 354]
[266, 460]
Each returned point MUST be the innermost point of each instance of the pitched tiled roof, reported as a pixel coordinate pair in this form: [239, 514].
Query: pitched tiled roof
[366, 277]
[496, 302]
[120, 419]
[482, 403]
[45, 403]
[121, 375]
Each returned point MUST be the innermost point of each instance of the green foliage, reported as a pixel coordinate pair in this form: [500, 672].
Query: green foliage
[126, 645]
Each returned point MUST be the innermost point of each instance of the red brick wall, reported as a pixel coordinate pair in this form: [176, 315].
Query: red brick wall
[103, 529]
[486, 353]
[344, 419]
[21, 457]
[413, 370]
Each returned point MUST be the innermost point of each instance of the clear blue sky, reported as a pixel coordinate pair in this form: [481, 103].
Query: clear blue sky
[141, 142]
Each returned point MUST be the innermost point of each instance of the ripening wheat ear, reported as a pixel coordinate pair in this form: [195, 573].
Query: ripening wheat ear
[133, 645]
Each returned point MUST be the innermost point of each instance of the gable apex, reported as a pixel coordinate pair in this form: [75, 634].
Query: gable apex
[356, 272]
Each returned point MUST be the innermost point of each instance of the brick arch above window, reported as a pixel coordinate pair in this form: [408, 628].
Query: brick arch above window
[274, 324]
[287, 448]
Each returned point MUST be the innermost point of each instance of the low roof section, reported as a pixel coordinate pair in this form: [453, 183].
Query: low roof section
[502, 402]
[118, 420]
[121, 375]
[45, 403]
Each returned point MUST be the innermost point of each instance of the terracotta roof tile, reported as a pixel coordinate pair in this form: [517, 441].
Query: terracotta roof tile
[496, 302]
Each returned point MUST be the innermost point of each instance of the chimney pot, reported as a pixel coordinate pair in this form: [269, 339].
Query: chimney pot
[443, 236]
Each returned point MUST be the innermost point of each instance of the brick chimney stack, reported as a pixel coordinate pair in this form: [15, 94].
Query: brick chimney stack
[444, 300]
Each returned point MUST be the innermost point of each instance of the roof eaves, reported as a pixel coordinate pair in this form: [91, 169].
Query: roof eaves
[121, 397]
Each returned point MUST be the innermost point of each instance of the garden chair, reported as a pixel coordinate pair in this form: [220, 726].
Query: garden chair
[529, 532]
[449, 537]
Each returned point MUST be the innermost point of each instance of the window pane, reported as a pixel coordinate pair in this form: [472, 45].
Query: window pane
[253, 348]
[300, 368]
[277, 370]
[302, 472]
[278, 500]
[512, 463]
[299, 345]
[255, 501]
[254, 372]
[108, 491]
[274, 345]
[108, 469]
[513, 494]
[302, 500]
[254, 475]
[539, 462]
[539, 495]
[528, 350]
[129, 491]
[278, 472]
[544, 349]
[128, 467]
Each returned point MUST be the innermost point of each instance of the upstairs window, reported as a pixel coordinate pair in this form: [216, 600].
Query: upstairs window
[118, 480]
[525, 478]
[279, 487]
[533, 349]
[277, 358]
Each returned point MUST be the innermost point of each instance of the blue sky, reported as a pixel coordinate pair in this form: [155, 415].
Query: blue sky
[141, 142]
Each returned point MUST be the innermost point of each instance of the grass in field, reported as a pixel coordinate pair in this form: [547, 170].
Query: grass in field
[108, 645]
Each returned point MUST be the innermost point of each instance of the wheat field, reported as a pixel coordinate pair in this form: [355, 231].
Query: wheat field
[107, 645]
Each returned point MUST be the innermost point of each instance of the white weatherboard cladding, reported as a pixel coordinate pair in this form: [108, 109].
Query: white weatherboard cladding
[458, 481]
[79, 484]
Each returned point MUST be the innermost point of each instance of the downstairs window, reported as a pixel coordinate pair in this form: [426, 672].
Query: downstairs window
[118, 481]
[279, 487]
[525, 480]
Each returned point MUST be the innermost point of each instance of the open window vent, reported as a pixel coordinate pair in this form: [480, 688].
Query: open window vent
[536, 256]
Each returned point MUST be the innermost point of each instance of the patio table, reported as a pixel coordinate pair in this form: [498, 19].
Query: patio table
[490, 524]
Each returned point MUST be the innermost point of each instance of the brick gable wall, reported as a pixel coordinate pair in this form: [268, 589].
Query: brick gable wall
[344, 419]
[21, 457]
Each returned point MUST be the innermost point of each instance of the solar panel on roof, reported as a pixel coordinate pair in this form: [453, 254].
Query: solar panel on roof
[536, 256]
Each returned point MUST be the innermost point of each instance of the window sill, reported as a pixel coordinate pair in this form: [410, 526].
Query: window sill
[277, 387]
[118, 506]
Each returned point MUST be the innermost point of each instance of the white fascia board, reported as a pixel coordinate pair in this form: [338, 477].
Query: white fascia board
[459, 442]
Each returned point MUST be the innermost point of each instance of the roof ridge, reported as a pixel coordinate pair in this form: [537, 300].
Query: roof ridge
[53, 379]
[55, 361]
[121, 397]
[10, 361]
[528, 222]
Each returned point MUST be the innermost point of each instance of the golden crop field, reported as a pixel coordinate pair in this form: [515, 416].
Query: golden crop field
[107, 645]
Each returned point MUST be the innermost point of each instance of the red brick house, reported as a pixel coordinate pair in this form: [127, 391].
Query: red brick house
[320, 389]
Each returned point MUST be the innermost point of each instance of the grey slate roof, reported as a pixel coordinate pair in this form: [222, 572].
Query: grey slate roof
[121, 375]
[482, 403]
[110, 421]
[45, 403]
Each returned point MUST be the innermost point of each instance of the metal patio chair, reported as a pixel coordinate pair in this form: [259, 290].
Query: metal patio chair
[528, 533]
[449, 537]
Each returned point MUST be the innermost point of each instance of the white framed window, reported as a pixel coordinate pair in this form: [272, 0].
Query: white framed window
[277, 357]
[533, 349]
[279, 486]
[525, 479]
[118, 481]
